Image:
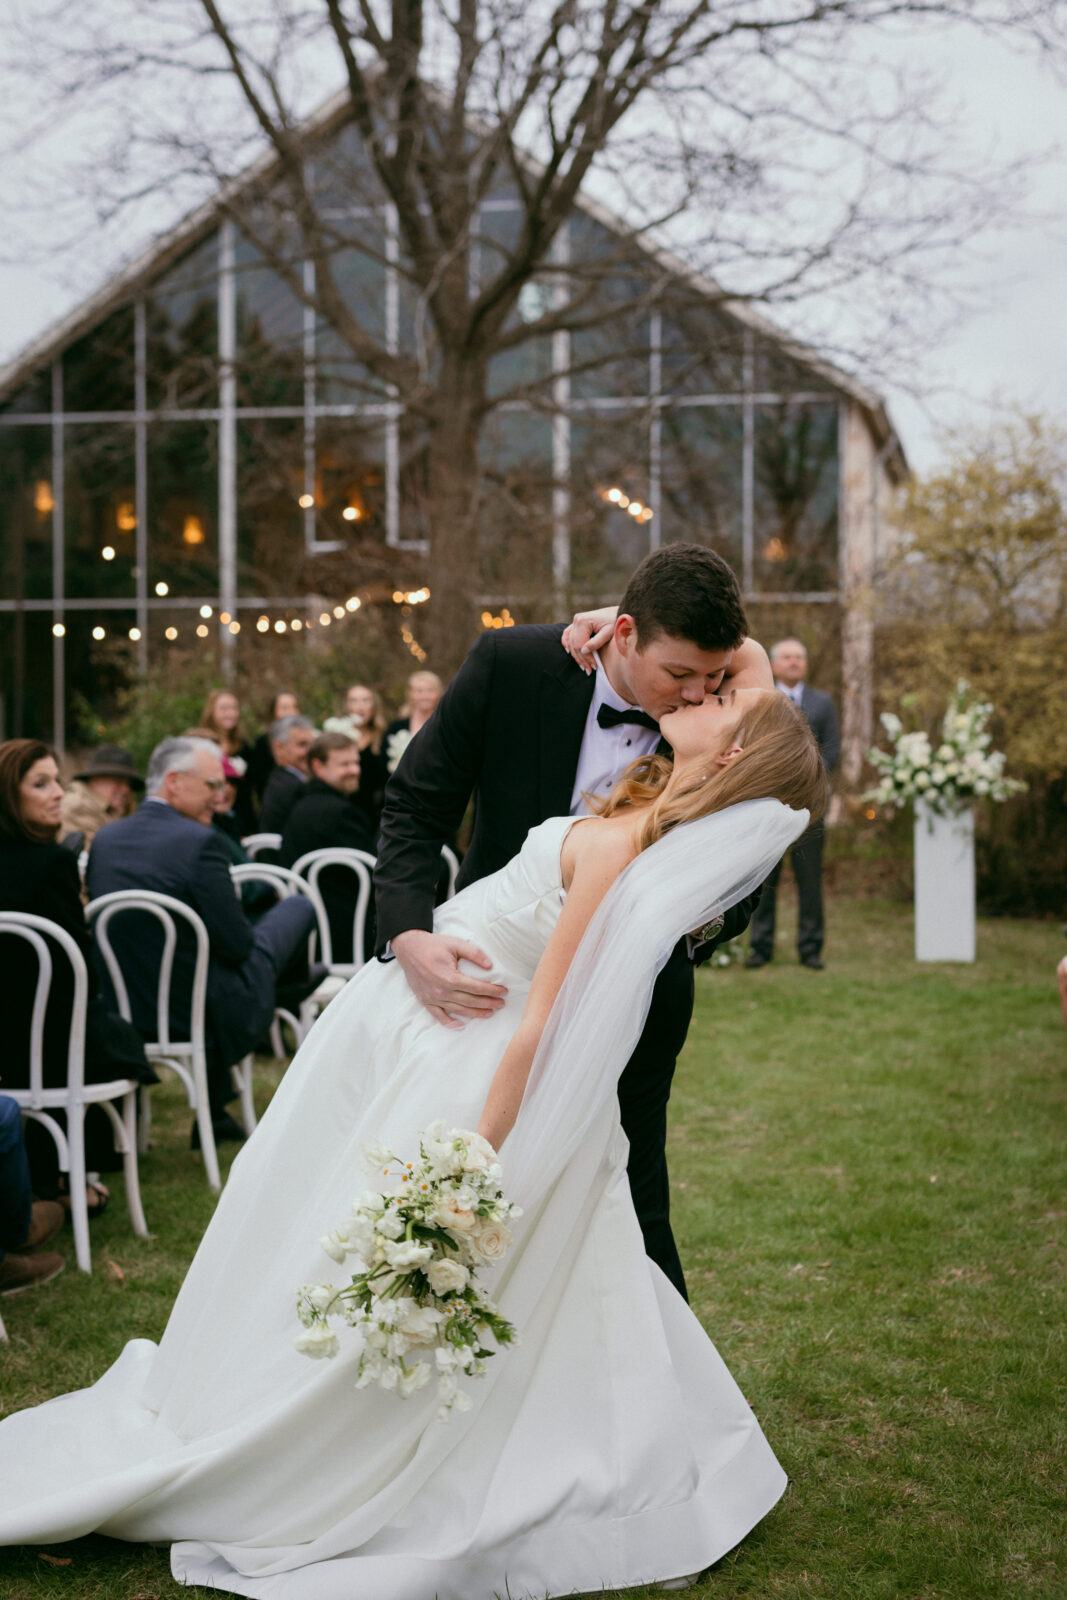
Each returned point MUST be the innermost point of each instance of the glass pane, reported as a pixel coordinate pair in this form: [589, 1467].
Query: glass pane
[606, 280]
[701, 467]
[270, 334]
[34, 396]
[100, 514]
[27, 499]
[609, 476]
[796, 489]
[183, 502]
[98, 370]
[26, 675]
[350, 481]
[701, 352]
[270, 527]
[100, 659]
[516, 509]
[776, 373]
[181, 317]
[359, 275]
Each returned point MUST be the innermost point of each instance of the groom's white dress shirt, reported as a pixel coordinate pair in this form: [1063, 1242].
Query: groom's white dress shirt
[607, 752]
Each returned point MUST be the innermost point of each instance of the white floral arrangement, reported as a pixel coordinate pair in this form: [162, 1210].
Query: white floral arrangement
[962, 767]
[398, 743]
[422, 1246]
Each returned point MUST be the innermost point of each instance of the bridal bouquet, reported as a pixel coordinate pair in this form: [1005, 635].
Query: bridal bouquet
[946, 775]
[422, 1246]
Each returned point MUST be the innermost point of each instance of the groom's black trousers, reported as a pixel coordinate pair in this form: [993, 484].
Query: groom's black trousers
[644, 1089]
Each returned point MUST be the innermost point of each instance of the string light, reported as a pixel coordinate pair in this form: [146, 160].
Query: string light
[353, 603]
[58, 630]
[234, 627]
[279, 626]
[262, 624]
[351, 513]
[135, 634]
[306, 502]
[205, 611]
[171, 634]
[202, 632]
[225, 618]
[338, 612]
[325, 619]
[99, 633]
[162, 588]
[296, 624]
[108, 552]
[505, 619]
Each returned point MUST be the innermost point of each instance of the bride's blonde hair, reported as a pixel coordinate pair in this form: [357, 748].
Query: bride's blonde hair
[779, 760]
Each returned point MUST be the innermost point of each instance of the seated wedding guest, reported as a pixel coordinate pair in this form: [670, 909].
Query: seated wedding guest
[424, 691]
[26, 1224]
[325, 814]
[40, 876]
[169, 845]
[261, 761]
[101, 794]
[290, 739]
[221, 716]
[255, 897]
[364, 721]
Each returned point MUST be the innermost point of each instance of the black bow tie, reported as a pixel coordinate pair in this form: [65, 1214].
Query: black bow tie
[608, 717]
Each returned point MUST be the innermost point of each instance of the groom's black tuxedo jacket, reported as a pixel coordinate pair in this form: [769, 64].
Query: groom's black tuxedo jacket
[509, 730]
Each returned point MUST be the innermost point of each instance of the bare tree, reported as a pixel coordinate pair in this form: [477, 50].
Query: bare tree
[763, 140]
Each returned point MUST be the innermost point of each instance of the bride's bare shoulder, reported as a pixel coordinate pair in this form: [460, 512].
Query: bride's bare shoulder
[603, 843]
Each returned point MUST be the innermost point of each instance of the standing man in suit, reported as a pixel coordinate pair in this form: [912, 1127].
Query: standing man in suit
[530, 733]
[789, 660]
[170, 846]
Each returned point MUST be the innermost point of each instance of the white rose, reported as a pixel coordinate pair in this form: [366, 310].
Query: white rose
[390, 1225]
[446, 1357]
[492, 1241]
[319, 1342]
[407, 1253]
[447, 1276]
[448, 1213]
[376, 1155]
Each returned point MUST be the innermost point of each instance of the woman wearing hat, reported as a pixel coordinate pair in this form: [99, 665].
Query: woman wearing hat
[102, 793]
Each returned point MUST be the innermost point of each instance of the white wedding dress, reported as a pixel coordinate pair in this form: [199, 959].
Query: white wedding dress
[609, 1449]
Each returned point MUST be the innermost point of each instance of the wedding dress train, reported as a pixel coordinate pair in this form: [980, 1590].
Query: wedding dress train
[609, 1449]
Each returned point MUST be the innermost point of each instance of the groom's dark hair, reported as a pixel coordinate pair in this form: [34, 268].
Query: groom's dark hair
[688, 592]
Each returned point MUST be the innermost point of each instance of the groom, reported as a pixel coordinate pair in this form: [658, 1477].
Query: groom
[528, 733]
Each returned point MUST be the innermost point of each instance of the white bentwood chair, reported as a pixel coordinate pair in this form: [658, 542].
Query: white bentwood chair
[38, 1101]
[285, 882]
[253, 843]
[187, 1058]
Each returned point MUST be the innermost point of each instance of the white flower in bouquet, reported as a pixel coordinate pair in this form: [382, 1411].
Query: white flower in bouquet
[398, 743]
[961, 768]
[422, 1246]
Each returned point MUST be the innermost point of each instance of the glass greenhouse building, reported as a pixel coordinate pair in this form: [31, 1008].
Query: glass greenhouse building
[193, 454]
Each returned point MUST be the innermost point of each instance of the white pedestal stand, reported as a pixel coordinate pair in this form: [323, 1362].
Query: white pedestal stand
[944, 885]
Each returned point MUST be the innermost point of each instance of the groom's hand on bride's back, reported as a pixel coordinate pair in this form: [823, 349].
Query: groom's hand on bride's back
[431, 966]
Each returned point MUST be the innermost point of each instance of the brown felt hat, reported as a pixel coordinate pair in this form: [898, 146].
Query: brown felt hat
[109, 761]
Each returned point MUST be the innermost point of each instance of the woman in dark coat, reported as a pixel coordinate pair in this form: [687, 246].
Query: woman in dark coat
[261, 760]
[40, 876]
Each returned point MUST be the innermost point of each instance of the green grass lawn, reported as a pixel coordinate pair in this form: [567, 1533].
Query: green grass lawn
[869, 1196]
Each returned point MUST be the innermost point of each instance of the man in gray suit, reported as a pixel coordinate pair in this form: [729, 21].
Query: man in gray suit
[789, 661]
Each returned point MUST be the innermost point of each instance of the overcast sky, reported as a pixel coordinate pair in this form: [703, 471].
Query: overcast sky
[1012, 350]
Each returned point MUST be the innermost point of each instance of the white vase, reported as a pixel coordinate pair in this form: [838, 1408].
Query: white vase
[944, 884]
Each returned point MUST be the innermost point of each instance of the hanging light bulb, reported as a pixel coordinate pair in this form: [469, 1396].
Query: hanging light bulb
[171, 634]
[99, 633]
[162, 588]
[135, 634]
[262, 624]
[192, 531]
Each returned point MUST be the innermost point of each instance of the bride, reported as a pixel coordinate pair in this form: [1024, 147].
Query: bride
[611, 1448]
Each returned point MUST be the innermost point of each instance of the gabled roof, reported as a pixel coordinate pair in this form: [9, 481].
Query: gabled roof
[330, 117]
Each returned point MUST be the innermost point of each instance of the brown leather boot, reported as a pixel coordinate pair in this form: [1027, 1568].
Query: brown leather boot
[26, 1272]
[47, 1218]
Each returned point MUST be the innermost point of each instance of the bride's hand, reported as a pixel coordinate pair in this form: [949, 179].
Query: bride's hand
[588, 632]
[431, 966]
